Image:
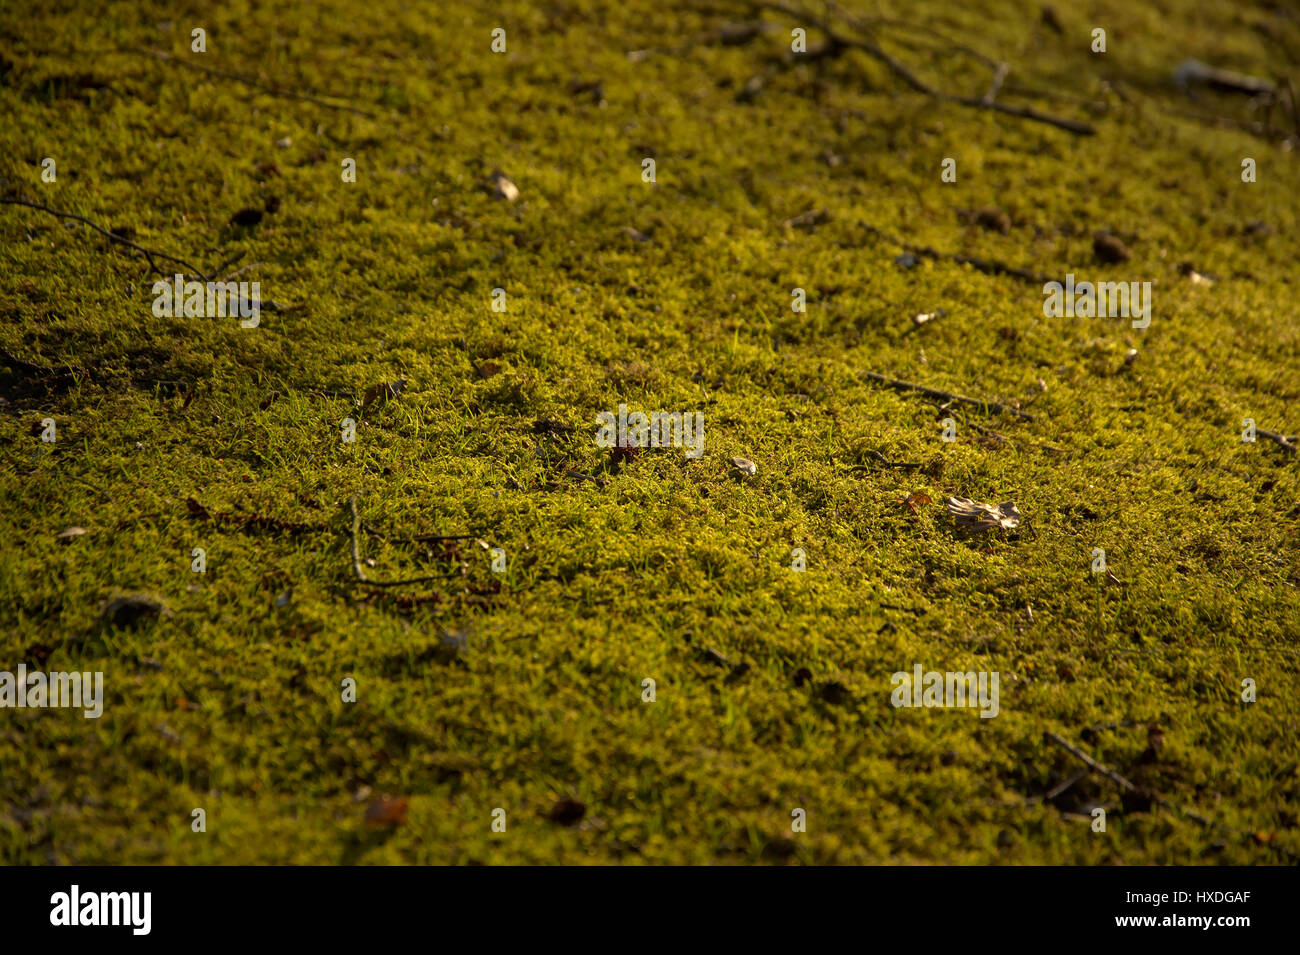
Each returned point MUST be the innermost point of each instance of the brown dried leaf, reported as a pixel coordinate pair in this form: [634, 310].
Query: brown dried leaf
[387, 811]
[913, 499]
[381, 393]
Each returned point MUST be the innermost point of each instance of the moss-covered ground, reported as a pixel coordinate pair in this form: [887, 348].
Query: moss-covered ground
[523, 690]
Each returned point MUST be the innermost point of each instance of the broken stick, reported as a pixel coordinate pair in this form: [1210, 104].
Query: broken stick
[148, 253]
[356, 559]
[1283, 440]
[1088, 761]
[948, 395]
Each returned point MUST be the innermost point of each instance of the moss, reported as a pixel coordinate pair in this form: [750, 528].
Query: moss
[772, 686]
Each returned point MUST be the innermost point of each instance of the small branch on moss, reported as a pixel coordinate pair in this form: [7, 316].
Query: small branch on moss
[948, 395]
[995, 87]
[228, 263]
[943, 406]
[987, 266]
[1062, 787]
[1154, 797]
[1284, 440]
[873, 50]
[885, 462]
[1088, 761]
[241, 270]
[148, 253]
[356, 559]
[419, 538]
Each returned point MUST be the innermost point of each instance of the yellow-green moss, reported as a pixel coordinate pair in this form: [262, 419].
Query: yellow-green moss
[232, 702]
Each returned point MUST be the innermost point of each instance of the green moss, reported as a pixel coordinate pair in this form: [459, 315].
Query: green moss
[232, 702]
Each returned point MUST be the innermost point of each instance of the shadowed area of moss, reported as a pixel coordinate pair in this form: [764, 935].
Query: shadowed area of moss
[523, 690]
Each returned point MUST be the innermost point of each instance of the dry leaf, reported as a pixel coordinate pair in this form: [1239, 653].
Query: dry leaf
[387, 811]
[380, 393]
[983, 517]
[70, 533]
[913, 499]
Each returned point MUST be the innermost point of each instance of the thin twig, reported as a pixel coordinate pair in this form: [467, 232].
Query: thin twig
[1283, 440]
[1156, 798]
[996, 434]
[986, 266]
[864, 23]
[89, 484]
[148, 253]
[419, 538]
[1062, 787]
[1088, 761]
[356, 559]
[995, 86]
[918, 84]
[241, 270]
[229, 262]
[951, 396]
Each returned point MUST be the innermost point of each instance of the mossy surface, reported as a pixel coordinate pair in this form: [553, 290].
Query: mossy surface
[520, 690]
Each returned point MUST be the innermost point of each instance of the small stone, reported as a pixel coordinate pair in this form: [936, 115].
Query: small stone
[1109, 249]
[506, 189]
